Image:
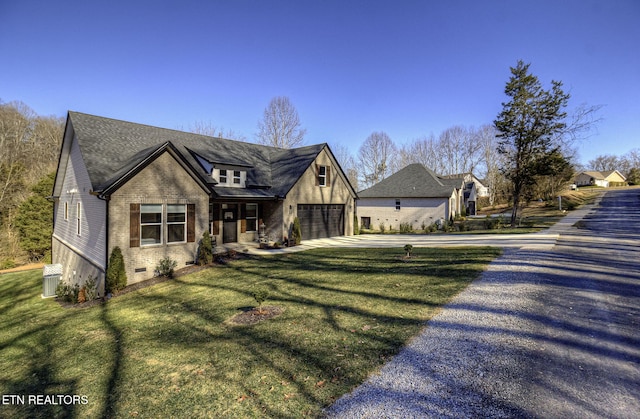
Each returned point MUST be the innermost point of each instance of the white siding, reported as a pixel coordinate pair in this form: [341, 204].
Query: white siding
[76, 188]
[414, 211]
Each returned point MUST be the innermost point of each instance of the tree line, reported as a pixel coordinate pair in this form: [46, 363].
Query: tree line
[29, 148]
[528, 151]
[628, 164]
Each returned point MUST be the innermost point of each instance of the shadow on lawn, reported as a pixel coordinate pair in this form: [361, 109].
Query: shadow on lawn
[39, 380]
[287, 288]
[110, 408]
[188, 320]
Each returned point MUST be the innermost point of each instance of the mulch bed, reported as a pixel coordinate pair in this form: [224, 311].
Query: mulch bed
[256, 315]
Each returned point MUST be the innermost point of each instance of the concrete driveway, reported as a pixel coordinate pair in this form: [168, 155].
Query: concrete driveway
[545, 239]
[547, 331]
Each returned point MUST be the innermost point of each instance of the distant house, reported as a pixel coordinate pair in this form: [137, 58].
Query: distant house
[615, 178]
[602, 179]
[414, 195]
[153, 192]
[472, 190]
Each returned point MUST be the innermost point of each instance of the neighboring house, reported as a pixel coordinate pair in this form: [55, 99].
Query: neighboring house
[602, 179]
[471, 190]
[414, 195]
[615, 178]
[153, 192]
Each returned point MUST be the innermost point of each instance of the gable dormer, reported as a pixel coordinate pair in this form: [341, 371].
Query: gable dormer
[229, 176]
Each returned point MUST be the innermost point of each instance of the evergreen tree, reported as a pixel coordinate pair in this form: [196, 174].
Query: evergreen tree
[116, 277]
[296, 231]
[205, 251]
[529, 125]
[633, 177]
[34, 220]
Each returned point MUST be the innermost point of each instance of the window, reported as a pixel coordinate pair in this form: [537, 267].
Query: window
[252, 217]
[78, 218]
[176, 221]
[223, 176]
[154, 224]
[236, 177]
[150, 224]
[397, 205]
[66, 211]
[322, 175]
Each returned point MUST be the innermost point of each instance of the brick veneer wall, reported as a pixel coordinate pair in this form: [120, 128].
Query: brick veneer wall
[163, 181]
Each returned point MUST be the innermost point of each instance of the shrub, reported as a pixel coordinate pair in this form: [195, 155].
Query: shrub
[406, 228]
[495, 223]
[116, 277]
[68, 292]
[382, 227]
[408, 249]
[7, 264]
[205, 251]
[296, 231]
[166, 266]
[90, 288]
[260, 295]
[356, 226]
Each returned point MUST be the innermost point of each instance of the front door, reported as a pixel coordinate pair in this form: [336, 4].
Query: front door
[229, 223]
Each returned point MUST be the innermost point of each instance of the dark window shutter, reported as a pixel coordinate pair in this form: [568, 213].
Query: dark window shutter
[191, 223]
[134, 225]
[215, 217]
[328, 177]
[243, 218]
[317, 175]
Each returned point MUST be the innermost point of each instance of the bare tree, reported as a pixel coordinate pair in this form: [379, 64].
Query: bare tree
[280, 125]
[604, 162]
[491, 162]
[630, 161]
[460, 150]
[212, 130]
[424, 150]
[375, 158]
[580, 124]
[29, 147]
[347, 162]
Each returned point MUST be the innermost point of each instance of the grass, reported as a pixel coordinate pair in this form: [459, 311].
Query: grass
[169, 351]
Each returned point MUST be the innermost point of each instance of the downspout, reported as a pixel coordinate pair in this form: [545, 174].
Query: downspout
[53, 200]
[106, 199]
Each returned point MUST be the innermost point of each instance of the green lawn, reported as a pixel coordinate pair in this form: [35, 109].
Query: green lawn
[169, 351]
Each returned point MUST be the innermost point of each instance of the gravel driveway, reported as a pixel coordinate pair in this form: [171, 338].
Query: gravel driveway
[550, 333]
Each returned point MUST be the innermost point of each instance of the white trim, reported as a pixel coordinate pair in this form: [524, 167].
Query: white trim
[183, 223]
[160, 224]
[79, 218]
[322, 177]
[247, 218]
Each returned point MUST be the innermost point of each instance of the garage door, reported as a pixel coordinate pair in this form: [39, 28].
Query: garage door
[321, 220]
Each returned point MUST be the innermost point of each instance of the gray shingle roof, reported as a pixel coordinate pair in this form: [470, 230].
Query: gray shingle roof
[414, 181]
[111, 148]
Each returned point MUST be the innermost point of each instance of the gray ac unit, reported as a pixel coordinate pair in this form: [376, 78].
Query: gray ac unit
[51, 275]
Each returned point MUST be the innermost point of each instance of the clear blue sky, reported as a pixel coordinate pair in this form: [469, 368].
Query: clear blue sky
[409, 68]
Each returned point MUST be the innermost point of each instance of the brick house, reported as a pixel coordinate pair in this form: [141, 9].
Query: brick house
[413, 195]
[153, 192]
